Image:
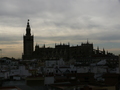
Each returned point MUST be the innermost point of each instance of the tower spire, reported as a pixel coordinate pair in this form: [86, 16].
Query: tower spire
[28, 29]
[87, 41]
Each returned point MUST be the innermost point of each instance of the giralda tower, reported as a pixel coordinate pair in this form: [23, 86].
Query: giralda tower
[28, 43]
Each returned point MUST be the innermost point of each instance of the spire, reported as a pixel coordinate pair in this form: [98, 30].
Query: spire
[87, 41]
[97, 48]
[107, 52]
[68, 43]
[44, 46]
[28, 30]
[103, 51]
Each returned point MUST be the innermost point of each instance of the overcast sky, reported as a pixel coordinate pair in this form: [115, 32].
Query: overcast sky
[55, 21]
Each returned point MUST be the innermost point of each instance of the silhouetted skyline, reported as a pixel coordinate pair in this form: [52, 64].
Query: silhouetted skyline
[56, 21]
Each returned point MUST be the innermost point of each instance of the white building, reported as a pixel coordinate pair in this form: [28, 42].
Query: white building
[21, 71]
[4, 74]
[52, 63]
[58, 67]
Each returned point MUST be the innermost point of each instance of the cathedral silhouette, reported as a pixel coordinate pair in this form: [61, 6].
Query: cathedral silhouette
[65, 51]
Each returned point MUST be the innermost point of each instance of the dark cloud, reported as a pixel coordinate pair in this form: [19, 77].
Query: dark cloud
[10, 39]
[60, 20]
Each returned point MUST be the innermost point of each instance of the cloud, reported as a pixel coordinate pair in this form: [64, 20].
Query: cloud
[60, 21]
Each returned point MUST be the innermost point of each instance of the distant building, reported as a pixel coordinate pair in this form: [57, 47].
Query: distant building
[28, 43]
[84, 51]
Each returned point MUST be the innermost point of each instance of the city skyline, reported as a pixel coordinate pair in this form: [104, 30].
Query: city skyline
[56, 21]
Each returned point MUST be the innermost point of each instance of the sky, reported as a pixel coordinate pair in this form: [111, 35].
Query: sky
[55, 21]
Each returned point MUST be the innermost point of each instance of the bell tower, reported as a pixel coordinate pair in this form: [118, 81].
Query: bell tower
[28, 43]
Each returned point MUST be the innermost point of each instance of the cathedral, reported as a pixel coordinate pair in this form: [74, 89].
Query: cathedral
[65, 51]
